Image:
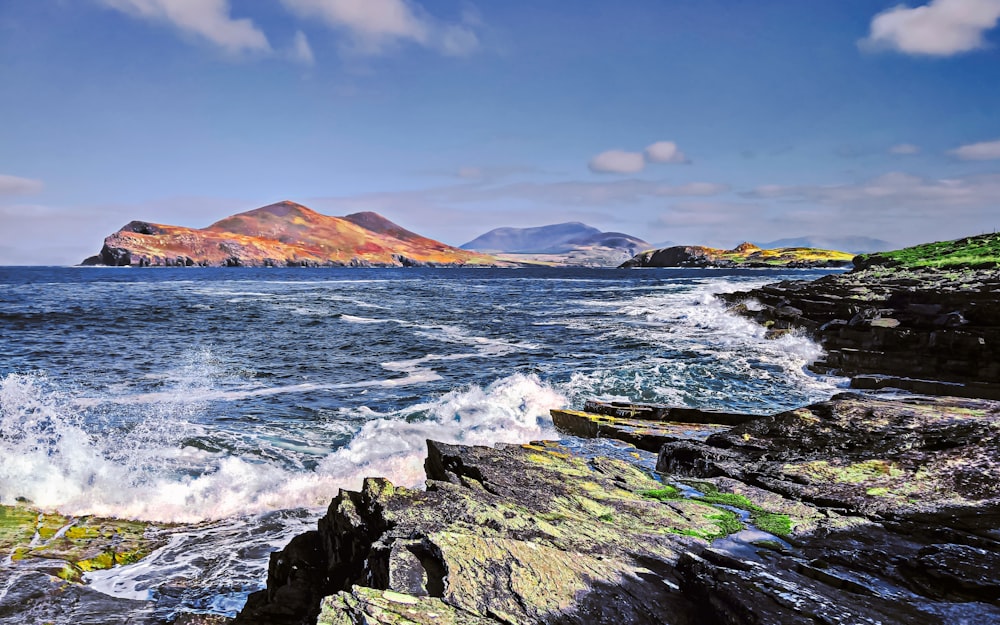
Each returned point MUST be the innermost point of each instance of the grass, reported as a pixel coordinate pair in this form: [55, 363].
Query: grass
[727, 521]
[662, 494]
[770, 522]
[967, 252]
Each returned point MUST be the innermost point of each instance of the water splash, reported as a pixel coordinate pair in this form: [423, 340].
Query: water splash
[150, 471]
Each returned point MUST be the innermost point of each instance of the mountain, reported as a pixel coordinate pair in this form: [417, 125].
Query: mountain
[571, 243]
[543, 239]
[282, 234]
[743, 255]
[852, 244]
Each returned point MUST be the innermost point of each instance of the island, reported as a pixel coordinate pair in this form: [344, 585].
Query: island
[742, 256]
[282, 234]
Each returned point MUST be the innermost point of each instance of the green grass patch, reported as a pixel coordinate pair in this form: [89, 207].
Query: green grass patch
[967, 252]
[662, 494]
[727, 522]
[729, 499]
[772, 523]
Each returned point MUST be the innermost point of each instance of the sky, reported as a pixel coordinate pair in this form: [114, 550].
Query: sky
[697, 122]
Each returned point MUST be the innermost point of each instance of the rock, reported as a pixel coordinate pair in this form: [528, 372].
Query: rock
[744, 255]
[855, 510]
[526, 534]
[923, 324]
[645, 434]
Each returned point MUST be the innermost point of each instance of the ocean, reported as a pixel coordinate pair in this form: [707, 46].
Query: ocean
[236, 402]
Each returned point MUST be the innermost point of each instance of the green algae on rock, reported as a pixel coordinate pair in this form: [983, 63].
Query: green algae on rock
[73, 545]
[520, 533]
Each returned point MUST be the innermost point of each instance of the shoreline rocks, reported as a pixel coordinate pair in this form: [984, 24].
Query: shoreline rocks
[854, 510]
[934, 325]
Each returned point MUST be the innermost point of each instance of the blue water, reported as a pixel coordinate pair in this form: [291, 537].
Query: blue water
[230, 399]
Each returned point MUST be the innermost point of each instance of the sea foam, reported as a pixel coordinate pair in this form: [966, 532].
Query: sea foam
[48, 456]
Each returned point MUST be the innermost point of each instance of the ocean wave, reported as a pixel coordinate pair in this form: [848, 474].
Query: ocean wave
[50, 457]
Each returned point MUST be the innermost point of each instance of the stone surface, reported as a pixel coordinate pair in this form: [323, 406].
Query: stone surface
[855, 510]
[931, 325]
[647, 434]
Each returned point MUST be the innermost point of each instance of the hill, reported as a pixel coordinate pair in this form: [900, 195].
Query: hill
[978, 252]
[282, 234]
[851, 244]
[570, 243]
[743, 255]
[542, 239]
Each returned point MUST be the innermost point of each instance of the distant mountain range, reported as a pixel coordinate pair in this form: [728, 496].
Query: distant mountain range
[552, 239]
[282, 234]
[852, 244]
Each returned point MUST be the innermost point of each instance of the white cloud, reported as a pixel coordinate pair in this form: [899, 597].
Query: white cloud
[624, 162]
[15, 185]
[664, 152]
[375, 24]
[208, 19]
[982, 151]
[904, 149]
[301, 50]
[617, 162]
[940, 28]
[899, 196]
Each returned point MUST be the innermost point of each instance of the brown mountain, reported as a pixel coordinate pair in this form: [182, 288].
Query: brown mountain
[280, 234]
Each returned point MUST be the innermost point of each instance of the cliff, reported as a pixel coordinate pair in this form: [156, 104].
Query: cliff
[925, 318]
[282, 234]
[743, 255]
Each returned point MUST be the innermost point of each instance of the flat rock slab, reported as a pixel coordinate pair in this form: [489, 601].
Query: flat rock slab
[644, 433]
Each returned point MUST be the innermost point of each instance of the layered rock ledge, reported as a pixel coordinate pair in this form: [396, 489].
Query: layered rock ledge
[855, 510]
[939, 328]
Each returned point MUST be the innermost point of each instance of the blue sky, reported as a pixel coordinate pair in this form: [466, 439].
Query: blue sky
[703, 122]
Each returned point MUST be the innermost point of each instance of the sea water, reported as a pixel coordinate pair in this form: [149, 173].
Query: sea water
[236, 402]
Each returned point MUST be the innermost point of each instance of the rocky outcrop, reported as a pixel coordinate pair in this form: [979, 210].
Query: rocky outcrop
[743, 255]
[855, 510]
[280, 235]
[941, 325]
[45, 556]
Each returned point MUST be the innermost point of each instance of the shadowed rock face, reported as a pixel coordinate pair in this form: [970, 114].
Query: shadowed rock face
[925, 323]
[856, 510]
[282, 234]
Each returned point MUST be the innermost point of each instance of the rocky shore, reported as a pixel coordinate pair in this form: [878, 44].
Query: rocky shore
[855, 510]
[929, 329]
[877, 508]
[860, 509]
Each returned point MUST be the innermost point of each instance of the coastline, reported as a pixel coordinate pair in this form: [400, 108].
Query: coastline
[874, 507]
[705, 521]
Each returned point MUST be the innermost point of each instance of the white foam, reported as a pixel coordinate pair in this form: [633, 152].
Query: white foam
[48, 456]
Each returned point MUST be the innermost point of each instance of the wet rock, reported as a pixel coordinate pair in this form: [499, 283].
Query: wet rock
[647, 434]
[526, 534]
[855, 510]
[925, 324]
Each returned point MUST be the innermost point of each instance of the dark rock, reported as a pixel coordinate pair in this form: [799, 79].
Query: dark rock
[887, 511]
[923, 324]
